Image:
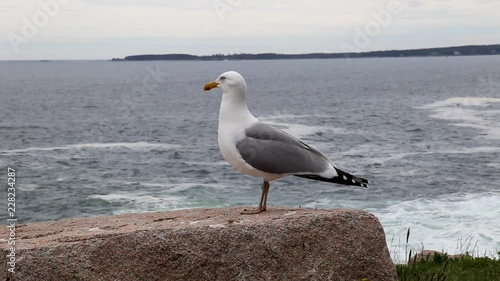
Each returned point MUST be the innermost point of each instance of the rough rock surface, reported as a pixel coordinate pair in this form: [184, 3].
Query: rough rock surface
[204, 244]
[429, 255]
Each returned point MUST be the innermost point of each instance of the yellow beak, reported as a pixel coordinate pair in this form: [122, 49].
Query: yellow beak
[210, 85]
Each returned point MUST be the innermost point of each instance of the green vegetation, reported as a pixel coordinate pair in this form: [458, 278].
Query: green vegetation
[441, 267]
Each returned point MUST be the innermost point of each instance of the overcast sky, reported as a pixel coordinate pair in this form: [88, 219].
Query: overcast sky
[103, 29]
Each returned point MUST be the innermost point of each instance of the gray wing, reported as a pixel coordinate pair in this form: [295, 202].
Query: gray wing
[271, 150]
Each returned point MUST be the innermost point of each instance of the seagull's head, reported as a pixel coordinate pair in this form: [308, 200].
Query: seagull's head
[228, 82]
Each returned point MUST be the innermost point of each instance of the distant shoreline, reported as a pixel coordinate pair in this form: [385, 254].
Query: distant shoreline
[469, 50]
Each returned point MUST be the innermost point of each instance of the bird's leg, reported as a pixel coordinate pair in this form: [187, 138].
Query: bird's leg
[263, 201]
[265, 190]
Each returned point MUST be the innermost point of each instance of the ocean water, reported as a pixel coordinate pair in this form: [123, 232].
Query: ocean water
[100, 138]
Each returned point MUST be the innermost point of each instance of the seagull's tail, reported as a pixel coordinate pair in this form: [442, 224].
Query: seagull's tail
[341, 178]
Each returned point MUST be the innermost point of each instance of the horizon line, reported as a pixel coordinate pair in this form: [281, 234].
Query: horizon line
[261, 53]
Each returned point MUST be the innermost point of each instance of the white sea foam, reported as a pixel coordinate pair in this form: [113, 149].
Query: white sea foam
[169, 187]
[176, 187]
[457, 114]
[141, 201]
[205, 163]
[453, 223]
[126, 145]
[472, 150]
[27, 187]
[471, 112]
[375, 154]
[462, 101]
[494, 165]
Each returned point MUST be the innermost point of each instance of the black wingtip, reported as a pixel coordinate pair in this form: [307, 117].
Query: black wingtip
[363, 182]
[342, 178]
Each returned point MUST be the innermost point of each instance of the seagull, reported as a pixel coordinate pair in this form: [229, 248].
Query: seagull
[258, 149]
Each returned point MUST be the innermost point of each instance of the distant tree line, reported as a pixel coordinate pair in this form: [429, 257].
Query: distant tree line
[472, 50]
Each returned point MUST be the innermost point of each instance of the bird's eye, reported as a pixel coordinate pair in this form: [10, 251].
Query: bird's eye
[222, 78]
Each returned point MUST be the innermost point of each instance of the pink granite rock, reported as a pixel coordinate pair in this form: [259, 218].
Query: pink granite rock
[204, 244]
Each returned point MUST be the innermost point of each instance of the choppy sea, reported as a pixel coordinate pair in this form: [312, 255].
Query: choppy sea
[90, 138]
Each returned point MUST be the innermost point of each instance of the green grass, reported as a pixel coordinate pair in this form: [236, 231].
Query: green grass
[440, 267]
